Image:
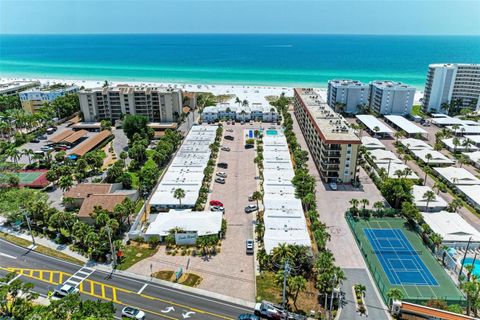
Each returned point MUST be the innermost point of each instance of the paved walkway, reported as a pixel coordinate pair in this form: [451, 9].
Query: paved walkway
[375, 308]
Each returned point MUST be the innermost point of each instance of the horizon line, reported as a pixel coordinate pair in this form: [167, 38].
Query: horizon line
[240, 33]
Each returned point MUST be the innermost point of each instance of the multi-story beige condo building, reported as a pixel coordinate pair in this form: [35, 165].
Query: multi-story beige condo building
[389, 97]
[447, 82]
[332, 143]
[351, 94]
[112, 103]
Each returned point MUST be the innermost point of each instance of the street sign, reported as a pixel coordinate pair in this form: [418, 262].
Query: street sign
[179, 273]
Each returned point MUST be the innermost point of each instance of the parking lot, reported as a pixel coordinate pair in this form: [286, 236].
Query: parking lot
[230, 272]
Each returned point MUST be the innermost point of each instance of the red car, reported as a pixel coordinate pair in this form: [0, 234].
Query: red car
[216, 203]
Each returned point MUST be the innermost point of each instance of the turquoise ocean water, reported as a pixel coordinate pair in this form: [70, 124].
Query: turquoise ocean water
[289, 60]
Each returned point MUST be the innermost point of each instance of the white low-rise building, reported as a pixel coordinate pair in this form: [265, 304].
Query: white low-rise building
[454, 230]
[392, 168]
[383, 156]
[372, 143]
[474, 158]
[457, 176]
[461, 145]
[414, 144]
[421, 203]
[472, 193]
[475, 139]
[185, 172]
[192, 224]
[258, 111]
[436, 158]
[283, 215]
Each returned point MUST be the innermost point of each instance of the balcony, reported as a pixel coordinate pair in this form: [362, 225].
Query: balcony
[331, 154]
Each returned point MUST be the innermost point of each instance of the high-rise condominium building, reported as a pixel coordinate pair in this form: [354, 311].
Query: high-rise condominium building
[34, 99]
[351, 94]
[388, 97]
[447, 82]
[111, 103]
[332, 143]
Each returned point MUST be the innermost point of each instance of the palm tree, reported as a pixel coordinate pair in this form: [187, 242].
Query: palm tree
[297, 284]
[407, 157]
[29, 153]
[399, 173]
[439, 186]
[257, 195]
[376, 129]
[407, 172]
[378, 205]
[455, 205]
[14, 154]
[429, 196]
[65, 182]
[456, 143]
[179, 194]
[455, 127]
[354, 203]
[463, 159]
[364, 203]
[394, 294]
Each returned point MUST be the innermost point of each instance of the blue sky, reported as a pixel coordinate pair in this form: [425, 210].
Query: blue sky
[241, 16]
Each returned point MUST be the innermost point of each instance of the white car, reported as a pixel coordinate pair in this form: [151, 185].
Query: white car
[229, 130]
[65, 290]
[221, 174]
[333, 185]
[225, 149]
[133, 313]
[217, 208]
[251, 208]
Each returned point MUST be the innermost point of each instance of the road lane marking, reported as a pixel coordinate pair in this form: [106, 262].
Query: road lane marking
[7, 255]
[28, 273]
[14, 278]
[142, 288]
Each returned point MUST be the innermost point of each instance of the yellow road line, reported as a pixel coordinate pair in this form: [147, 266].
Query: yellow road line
[114, 292]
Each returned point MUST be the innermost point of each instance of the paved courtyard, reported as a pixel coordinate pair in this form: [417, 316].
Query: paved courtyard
[231, 272]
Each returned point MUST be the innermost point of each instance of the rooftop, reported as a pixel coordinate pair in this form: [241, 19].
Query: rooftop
[451, 226]
[371, 122]
[83, 190]
[405, 125]
[415, 144]
[473, 192]
[106, 201]
[388, 84]
[331, 126]
[372, 143]
[419, 200]
[202, 222]
[437, 157]
[347, 83]
[90, 143]
[457, 176]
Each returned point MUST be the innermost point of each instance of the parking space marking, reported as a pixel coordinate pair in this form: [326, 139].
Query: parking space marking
[142, 288]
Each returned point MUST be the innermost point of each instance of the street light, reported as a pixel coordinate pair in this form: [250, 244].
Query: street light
[29, 226]
[112, 249]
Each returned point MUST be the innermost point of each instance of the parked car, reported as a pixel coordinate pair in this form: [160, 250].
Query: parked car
[46, 148]
[333, 185]
[229, 130]
[217, 208]
[220, 180]
[133, 313]
[216, 203]
[225, 149]
[35, 140]
[222, 165]
[64, 291]
[229, 138]
[249, 146]
[249, 244]
[247, 316]
[61, 148]
[268, 310]
[221, 174]
[251, 208]
[42, 137]
[51, 130]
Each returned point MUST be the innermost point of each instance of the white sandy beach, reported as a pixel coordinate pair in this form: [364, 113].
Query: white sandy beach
[251, 93]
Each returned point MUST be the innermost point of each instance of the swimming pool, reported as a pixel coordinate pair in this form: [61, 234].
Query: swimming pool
[271, 132]
[476, 267]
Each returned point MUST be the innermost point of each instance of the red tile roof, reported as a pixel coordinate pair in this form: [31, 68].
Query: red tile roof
[83, 190]
[106, 201]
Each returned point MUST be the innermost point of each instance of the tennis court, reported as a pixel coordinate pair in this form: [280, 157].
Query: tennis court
[27, 177]
[399, 260]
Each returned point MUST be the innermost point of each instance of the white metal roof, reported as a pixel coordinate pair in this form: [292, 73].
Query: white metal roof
[383, 156]
[420, 202]
[474, 138]
[474, 156]
[449, 143]
[371, 122]
[372, 143]
[473, 192]
[437, 157]
[405, 125]
[466, 129]
[394, 167]
[451, 226]
[415, 144]
[457, 176]
[283, 216]
[447, 121]
[203, 222]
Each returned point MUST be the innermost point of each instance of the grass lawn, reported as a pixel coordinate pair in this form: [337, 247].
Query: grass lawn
[40, 248]
[139, 205]
[134, 253]
[268, 290]
[135, 179]
[187, 279]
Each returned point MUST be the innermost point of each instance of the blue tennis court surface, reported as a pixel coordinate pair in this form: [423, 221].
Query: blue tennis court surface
[398, 258]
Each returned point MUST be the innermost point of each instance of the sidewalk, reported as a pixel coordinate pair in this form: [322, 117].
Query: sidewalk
[45, 242]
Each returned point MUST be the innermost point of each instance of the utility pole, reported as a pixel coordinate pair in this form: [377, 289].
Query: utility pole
[286, 272]
[29, 226]
[463, 260]
[112, 249]
[333, 291]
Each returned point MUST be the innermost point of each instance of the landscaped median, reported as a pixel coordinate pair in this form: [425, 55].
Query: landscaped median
[40, 248]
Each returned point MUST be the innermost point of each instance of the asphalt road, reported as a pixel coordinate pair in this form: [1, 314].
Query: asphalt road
[158, 301]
